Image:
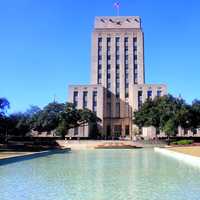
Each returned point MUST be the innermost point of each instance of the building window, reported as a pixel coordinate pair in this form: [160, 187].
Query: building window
[117, 62]
[126, 69]
[108, 94]
[108, 109]
[94, 101]
[126, 93]
[108, 130]
[117, 40]
[117, 109]
[117, 67]
[108, 51]
[127, 130]
[135, 71]
[126, 41]
[99, 77]
[135, 78]
[75, 98]
[76, 131]
[139, 99]
[99, 60]
[85, 95]
[99, 42]
[149, 94]
[134, 43]
[117, 130]
[108, 42]
[159, 93]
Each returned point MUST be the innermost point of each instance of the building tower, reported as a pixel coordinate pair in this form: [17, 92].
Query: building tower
[118, 64]
[117, 75]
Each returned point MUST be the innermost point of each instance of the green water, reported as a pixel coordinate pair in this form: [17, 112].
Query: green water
[139, 174]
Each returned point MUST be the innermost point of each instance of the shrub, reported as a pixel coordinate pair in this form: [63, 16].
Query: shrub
[183, 142]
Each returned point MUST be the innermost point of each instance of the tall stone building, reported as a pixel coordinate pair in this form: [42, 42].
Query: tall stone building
[117, 77]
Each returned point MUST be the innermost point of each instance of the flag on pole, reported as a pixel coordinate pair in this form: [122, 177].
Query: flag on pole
[117, 4]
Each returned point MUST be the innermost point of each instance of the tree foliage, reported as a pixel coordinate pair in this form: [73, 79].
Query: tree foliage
[60, 117]
[72, 118]
[167, 113]
[4, 105]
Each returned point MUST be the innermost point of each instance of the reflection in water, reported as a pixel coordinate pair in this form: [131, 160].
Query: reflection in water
[100, 175]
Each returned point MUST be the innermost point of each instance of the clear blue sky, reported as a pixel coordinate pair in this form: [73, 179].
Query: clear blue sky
[45, 45]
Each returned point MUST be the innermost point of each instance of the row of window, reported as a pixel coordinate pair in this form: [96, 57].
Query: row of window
[99, 74]
[117, 109]
[109, 109]
[126, 67]
[117, 58]
[117, 130]
[85, 100]
[135, 66]
[149, 96]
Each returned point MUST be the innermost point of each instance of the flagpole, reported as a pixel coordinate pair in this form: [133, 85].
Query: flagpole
[117, 6]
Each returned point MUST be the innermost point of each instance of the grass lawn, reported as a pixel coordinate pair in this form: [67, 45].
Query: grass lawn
[193, 150]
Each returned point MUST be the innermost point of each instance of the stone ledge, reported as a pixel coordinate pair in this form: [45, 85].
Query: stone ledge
[189, 159]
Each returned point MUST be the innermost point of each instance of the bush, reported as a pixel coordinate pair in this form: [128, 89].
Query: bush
[183, 142]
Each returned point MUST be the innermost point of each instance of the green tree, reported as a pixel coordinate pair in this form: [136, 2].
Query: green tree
[4, 105]
[148, 115]
[162, 112]
[47, 119]
[195, 115]
[170, 127]
[72, 118]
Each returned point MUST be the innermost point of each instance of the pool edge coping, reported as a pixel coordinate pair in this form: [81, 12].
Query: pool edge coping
[189, 159]
[31, 155]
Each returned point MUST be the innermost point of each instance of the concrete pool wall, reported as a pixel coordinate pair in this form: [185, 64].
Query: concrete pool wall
[189, 159]
[17, 158]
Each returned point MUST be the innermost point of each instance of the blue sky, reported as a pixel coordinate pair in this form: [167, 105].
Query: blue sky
[45, 46]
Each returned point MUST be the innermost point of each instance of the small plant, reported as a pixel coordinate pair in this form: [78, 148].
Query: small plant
[182, 142]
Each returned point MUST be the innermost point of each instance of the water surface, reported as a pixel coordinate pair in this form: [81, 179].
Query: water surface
[138, 174]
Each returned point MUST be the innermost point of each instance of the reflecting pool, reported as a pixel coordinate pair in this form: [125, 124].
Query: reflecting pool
[139, 174]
